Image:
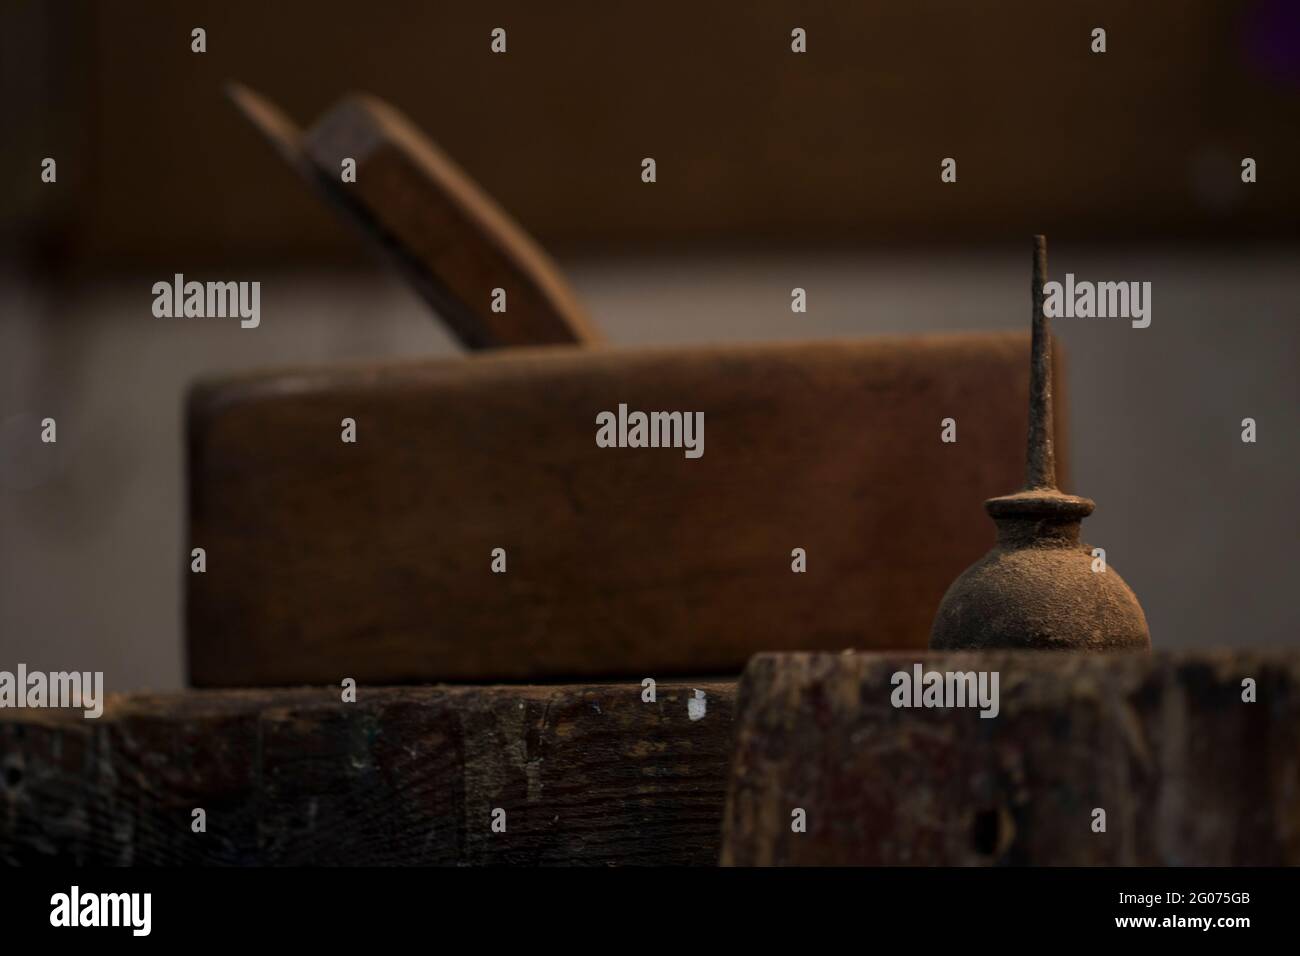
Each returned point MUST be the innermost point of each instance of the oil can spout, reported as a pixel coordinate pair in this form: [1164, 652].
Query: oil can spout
[1041, 458]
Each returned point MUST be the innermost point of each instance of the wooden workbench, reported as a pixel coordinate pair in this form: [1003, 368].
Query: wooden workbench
[586, 774]
[1188, 771]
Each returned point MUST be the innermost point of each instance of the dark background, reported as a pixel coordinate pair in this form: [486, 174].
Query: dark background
[774, 170]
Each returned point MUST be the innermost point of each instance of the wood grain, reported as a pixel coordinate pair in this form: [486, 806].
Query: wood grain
[587, 774]
[1188, 774]
[373, 559]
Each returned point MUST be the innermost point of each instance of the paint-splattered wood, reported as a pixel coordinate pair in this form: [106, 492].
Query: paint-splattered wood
[1187, 772]
[585, 774]
[373, 559]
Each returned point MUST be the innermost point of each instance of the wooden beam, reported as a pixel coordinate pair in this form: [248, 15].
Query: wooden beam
[586, 774]
[373, 559]
[1186, 771]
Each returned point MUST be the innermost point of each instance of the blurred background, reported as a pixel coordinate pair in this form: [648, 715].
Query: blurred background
[775, 170]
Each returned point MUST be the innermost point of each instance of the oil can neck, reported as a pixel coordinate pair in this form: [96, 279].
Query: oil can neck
[1039, 518]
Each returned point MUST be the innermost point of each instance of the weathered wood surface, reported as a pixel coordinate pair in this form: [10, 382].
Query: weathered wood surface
[1187, 772]
[586, 775]
[373, 559]
[421, 211]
